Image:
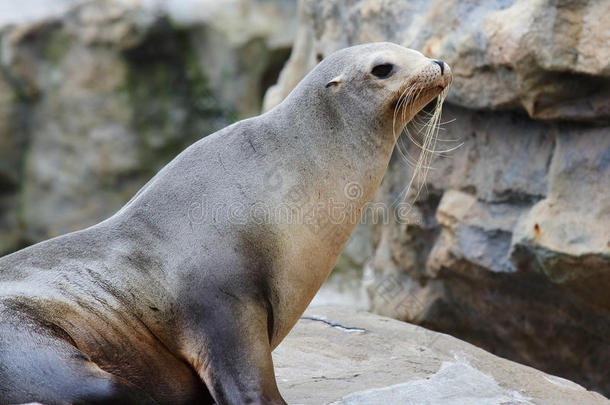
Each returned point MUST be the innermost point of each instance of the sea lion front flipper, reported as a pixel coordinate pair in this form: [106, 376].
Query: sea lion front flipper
[235, 361]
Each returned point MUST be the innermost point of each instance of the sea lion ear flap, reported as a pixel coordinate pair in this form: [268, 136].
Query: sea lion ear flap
[334, 82]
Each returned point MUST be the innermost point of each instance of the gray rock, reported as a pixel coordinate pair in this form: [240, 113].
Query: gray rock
[339, 356]
[566, 236]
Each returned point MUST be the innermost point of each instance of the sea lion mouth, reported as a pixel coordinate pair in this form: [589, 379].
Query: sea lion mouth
[429, 95]
[411, 93]
[431, 105]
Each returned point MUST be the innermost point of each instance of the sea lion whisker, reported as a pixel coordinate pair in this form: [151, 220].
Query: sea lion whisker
[427, 147]
[405, 152]
[402, 99]
[405, 155]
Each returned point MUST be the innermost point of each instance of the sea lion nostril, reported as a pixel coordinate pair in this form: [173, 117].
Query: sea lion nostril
[441, 64]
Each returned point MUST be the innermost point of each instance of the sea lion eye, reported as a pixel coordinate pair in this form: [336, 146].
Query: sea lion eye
[383, 71]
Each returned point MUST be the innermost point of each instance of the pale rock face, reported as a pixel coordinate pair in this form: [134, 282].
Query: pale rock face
[339, 356]
[568, 233]
[508, 247]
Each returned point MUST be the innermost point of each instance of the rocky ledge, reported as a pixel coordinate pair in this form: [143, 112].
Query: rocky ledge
[340, 356]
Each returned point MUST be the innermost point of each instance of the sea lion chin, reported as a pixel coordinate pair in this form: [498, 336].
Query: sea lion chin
[180, 297]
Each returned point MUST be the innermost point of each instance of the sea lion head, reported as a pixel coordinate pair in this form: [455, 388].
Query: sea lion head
[383, 79]
[372, 83]
[357, 101]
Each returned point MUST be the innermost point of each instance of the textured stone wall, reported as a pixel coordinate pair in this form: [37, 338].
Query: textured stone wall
[508, 245]
[96, 97]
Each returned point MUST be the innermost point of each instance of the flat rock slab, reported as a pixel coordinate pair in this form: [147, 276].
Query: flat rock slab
[341, 356]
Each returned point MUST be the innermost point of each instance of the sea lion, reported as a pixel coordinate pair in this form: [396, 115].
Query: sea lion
[180, 297]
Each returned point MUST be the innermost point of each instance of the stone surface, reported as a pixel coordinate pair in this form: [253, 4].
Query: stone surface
[96, 97]
[339, 356]
[507, 246]
[568, 232]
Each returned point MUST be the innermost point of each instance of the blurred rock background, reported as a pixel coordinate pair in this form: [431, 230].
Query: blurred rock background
[507, 247]
[96, 96]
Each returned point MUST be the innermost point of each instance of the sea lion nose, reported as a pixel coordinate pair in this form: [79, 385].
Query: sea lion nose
[441, 64]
